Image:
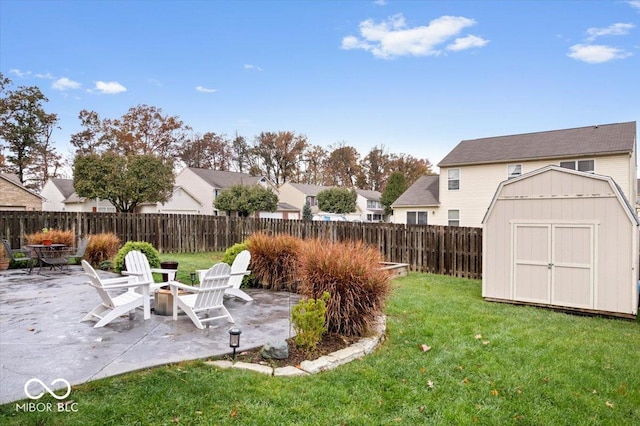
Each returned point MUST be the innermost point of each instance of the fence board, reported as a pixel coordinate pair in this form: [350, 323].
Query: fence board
[455, 251]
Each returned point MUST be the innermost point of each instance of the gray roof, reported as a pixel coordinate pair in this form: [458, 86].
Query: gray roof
[65, 186]
[307, 189]
[604, 139]
[424, 192]
[369, 194]
[223, 179]
[287, 207]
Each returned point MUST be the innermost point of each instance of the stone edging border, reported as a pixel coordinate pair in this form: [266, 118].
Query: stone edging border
[358, 350]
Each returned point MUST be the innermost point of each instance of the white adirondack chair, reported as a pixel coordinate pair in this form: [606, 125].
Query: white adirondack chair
[112, 306]
[138, 267]
[238, 271]
[209, 296]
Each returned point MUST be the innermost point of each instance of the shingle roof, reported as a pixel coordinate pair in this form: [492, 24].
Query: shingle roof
[424, 192]
[222, 179]
[578, 142]
[307, 189]
[369, 194]
[65, 186]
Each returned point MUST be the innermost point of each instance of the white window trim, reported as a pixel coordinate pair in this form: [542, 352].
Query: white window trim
[575, 164]
[449, 180]
[449, 217]
[510, 175]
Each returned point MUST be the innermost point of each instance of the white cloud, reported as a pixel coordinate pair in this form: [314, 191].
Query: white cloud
[21, 74]
[65, 84]
[394, 38]
[205, 90]
[47, 76]
[467, 42]
[380, 2]
[252, 67]
[109, 87]
[596, 54]
[634, 4]
[615, 29]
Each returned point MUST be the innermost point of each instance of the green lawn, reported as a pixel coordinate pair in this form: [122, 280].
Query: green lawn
[489, 364]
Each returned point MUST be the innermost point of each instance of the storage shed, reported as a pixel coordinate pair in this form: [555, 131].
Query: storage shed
[562, 238]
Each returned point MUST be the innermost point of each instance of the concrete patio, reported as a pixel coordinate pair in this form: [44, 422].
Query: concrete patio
[41, 335]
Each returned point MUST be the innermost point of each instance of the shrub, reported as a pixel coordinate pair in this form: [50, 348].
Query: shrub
[351, 273]
[230, 255]
[274, 259]
[308, 317]
[55, 235]
[101, 248]
[149, 251]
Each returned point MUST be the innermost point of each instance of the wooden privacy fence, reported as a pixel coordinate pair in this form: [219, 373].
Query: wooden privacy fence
[445, 250]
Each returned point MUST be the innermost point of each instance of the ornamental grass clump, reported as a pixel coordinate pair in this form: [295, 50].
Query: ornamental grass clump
[101, 248]
[56, 236]
[274, 259]
[351, 273]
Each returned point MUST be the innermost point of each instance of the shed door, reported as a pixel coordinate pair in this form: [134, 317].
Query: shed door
[554, 264]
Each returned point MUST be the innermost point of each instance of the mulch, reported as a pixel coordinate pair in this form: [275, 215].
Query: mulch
[330, 343]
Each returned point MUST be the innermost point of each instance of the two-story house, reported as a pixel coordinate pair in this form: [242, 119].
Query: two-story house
[368, 206]
[471, 172]
[205, 185]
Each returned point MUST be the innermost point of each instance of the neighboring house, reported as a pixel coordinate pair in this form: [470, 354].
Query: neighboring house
[181, 202]
[59, 196]
[368, 206]
[284, 211]
[206, 184]
[471, 172]
[418, 204]
[15, 196]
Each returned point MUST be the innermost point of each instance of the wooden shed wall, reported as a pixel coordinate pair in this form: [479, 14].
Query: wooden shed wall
[556, 197]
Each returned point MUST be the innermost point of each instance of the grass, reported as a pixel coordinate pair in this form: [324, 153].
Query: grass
[189, 262]
[489, 364]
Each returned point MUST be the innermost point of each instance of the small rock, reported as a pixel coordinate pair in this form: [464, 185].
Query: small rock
[275, 350]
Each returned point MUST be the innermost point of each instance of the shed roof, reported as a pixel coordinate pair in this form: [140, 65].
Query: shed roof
[615, 189]
[13, 179]
[424, 192]
[604, 139]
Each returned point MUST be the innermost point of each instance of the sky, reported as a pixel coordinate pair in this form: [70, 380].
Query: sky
[414, 77]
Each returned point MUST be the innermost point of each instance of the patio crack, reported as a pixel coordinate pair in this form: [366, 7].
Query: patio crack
[98, 374]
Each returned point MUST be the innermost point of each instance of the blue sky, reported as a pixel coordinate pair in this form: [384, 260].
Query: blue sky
[415, 77]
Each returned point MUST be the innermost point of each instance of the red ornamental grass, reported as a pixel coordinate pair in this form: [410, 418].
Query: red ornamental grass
[274, 259]
[351, 273]
[102, 247]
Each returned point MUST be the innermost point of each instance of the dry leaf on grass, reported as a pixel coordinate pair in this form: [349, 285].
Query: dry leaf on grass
[609, 404]
[478, 336]
[425, 348]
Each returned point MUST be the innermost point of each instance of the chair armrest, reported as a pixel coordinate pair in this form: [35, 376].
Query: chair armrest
[119, 280]
[133, 274]
[189, 288]
[233, 274]
[170, 272]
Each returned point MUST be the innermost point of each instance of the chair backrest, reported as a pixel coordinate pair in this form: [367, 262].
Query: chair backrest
[217, 277]
[7, 248]
[97, 283]
[82, 247]
[240, 264]
[138, 263]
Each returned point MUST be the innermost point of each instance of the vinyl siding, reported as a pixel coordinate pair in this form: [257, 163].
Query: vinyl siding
[479, 183]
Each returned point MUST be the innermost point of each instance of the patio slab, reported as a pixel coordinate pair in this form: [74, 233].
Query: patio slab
[41, 335]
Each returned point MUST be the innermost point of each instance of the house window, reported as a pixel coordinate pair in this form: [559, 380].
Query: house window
[514, 170]
[373, 204]
[374, 218]
[416, 218]
[587, 166]
[454, 178]
[454, 217]
[311, 200]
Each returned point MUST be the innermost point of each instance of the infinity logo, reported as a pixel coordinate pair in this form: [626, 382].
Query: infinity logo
[46, 388]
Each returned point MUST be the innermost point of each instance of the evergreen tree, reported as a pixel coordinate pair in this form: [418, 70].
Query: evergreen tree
[306, 211]
[395, 187]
